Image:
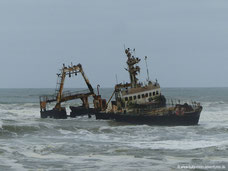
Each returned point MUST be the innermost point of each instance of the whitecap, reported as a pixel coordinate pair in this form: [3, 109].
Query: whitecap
[65, 132]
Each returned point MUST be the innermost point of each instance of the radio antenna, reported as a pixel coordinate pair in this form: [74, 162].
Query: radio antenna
[148, 77]
[116, 79]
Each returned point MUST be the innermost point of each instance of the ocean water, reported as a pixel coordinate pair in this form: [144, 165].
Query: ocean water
[28, 142]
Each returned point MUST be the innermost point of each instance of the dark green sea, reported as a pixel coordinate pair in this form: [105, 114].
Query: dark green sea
[28, 142]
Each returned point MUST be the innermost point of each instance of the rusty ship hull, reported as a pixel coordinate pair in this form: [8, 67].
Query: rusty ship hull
[56, 114]
[135, 102]
[81, 111]
[172, 119]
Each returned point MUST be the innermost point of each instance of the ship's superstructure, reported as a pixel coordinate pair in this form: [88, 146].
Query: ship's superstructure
[135, 93]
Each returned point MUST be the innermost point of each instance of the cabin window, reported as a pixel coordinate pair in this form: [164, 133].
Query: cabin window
[154, 93]
[126, 98]
[138, 96]
[130, 98]
[150, 94]
[146, 94]
[143, 95]
[134, 97]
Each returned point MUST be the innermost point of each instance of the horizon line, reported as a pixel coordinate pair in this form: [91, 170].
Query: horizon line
[107, 87]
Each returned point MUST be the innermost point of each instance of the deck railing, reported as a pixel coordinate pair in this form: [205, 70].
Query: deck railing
[174, 102]
[72, 93]
[52, 98]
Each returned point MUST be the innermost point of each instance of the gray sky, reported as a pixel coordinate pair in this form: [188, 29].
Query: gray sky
[185, 40]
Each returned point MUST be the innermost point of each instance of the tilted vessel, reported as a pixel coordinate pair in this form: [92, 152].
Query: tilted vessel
[140, 103]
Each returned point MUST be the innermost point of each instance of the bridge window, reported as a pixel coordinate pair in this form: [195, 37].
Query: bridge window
[126, 98]
[138, 96]
[150, 94]
[154, 93]
[134, 97]
[130, 98]
[146, 94]
[157, 93]
[143, 95]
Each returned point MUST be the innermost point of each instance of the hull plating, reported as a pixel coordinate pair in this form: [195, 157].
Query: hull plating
[190, 118]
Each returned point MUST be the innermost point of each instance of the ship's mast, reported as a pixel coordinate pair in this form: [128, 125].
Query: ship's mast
[132, 68]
